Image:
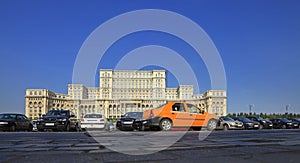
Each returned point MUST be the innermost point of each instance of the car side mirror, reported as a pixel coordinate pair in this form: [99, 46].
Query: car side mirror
[43, 115]
[122, 116]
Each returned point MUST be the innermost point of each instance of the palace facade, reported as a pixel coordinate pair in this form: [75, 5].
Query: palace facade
[121, 91]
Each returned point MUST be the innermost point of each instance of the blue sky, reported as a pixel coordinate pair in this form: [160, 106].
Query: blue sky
[259, 42]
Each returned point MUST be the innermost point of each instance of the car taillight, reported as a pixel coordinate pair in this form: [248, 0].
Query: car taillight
[101, 120]
[82, 120]
[151, 113]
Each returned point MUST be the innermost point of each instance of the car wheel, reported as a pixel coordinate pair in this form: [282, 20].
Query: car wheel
[283, 126]
[30, 128]
[77, 128]
[13, 127]
[142, 128]
[165, 125]
[225, 127]
[211, 125]
[67, 127]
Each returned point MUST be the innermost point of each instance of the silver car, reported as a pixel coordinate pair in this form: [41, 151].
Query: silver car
[94, 121]
[227, 123]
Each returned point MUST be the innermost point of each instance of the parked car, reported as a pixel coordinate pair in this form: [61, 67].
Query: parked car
[266, 124]
[131, 121]
[248, 124]
[227, 123]
[296, 120]
[179, 114]
[14, 122]
[63, 120]
[283, 123]
[94, 121]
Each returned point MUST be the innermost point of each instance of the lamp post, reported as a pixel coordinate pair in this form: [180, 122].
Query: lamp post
[287, 108]
[250, 108]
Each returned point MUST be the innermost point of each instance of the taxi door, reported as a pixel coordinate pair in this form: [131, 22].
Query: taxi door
[196, 114]
[180, 115]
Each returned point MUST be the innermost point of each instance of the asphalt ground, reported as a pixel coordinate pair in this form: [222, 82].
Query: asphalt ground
[192, 146]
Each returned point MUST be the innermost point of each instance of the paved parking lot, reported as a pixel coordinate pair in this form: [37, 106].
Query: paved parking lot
[218, 146]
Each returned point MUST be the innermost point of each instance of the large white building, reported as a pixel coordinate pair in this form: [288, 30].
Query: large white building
[121, 91]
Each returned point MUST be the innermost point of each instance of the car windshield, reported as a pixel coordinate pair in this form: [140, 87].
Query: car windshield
[93, 116]
[134, 114]
[7, 116]
[57, 113]
[244, 119]
[260, 118]
[227, 119]
[285, 120]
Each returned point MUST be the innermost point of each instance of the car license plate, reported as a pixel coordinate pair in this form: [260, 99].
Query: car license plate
[49, 124]
[127, 123]
[255, 125]
[240, 125]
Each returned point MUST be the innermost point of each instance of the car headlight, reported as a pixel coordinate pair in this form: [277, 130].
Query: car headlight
[144, 122]
[62, 119]
[3, 123]
[289, 123]
[232, 123]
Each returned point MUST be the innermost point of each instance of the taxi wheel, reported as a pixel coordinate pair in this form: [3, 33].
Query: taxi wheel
[165, 125]
[211, 125]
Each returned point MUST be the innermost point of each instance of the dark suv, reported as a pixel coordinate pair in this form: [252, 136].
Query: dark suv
[58, 120]
[263, 123]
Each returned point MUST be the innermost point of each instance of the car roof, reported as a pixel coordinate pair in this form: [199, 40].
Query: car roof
[14, 113]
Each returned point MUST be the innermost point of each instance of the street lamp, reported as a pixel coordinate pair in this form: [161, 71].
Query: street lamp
[287, 108]
[250, 108]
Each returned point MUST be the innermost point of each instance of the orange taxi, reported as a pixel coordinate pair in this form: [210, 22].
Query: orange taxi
[179, 114]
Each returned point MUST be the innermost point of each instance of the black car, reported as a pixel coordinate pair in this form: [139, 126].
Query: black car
[263, 122]
[283, 123]
[296, 120]
[14, 122]
[58, 120]
[248, 124]
[131, 121]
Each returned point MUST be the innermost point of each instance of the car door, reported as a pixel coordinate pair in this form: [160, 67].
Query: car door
[196, 115]
[180, 116]
[27, 122]
[20, 123]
